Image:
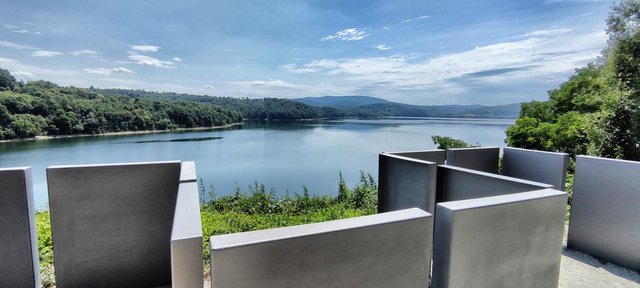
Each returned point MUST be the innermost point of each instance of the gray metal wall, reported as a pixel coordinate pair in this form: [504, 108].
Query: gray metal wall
[539, 166]
[186, 235]
[455, 183]
[19, 262]
[504, 241]
[378, 251]
[605, 212]
[405, 183]
[437, 156]
[111, 224]
[483, 159]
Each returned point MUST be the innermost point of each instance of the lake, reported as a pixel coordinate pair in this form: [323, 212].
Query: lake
[284, 156]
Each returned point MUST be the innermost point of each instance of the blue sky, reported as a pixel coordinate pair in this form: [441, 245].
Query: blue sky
[419, 52]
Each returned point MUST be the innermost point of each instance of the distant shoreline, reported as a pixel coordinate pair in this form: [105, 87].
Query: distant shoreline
[124, 133]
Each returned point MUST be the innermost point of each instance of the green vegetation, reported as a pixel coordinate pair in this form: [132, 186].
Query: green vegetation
[371, 107]
[597, 111]
[267, 109]
[391, 109]
[45, 248]
[261, 209]
[446, 142]
[41, 108]
[257, 208]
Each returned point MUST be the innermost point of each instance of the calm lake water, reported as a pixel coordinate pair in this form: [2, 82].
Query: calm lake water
[284, 156]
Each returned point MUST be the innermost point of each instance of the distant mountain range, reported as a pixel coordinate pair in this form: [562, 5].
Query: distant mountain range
[341, 101]
[377, 107]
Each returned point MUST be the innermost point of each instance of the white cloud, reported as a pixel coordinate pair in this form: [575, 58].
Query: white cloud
[416, 19]
[386, 28]
[98, 71]
[177, 59]
[84, 52]
[145, 48]
[121, 70]
[281, 88]
[20, 74]
[16, 46]
[46, 53]
[549, 32]
[127, 83]
[351, 34]
[540, 55]
[150, 61]
[107, 71]
[208, 87]
[20, 30]
[266, 83]
[62, 77]
[293, 68]
[382, 47]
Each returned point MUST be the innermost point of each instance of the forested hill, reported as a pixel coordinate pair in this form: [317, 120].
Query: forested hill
[341, 101]
[328, 107]
[251, 109]
[365, 106]
[40, 108]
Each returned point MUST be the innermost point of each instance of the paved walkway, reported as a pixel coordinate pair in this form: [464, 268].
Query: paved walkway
[581, 270]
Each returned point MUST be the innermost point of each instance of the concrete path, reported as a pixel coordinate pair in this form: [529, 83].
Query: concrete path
[581, 270]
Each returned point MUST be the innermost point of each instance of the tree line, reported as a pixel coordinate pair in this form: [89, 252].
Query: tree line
[597, 111]
[266, 109]
[40, 108]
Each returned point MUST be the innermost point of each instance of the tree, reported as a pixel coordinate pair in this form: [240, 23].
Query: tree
[581, 93]
[5, 116]
[446, 142]
[537, 110]
[27, 125]
[622, 137]
[597, 110]
[626, 63]
[16, 103]
[529, 133]
[7, 81]
[623, 21]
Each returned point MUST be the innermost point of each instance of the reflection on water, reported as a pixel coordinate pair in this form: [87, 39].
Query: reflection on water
[198, 139]
[280, 125]
[282, 155]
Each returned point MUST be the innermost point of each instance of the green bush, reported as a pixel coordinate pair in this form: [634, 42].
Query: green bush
[261, 209]
[446, 142]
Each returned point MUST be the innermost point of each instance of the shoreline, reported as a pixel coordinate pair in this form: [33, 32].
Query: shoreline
[37, 138]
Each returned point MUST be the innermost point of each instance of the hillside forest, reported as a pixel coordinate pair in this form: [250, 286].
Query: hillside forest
[43, 108]
[597, 111]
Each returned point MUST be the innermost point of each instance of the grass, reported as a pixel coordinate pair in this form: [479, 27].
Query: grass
[255, 208]
[260, 209]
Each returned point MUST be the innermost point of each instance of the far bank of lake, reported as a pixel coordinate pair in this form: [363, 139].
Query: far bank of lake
[282, 155]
